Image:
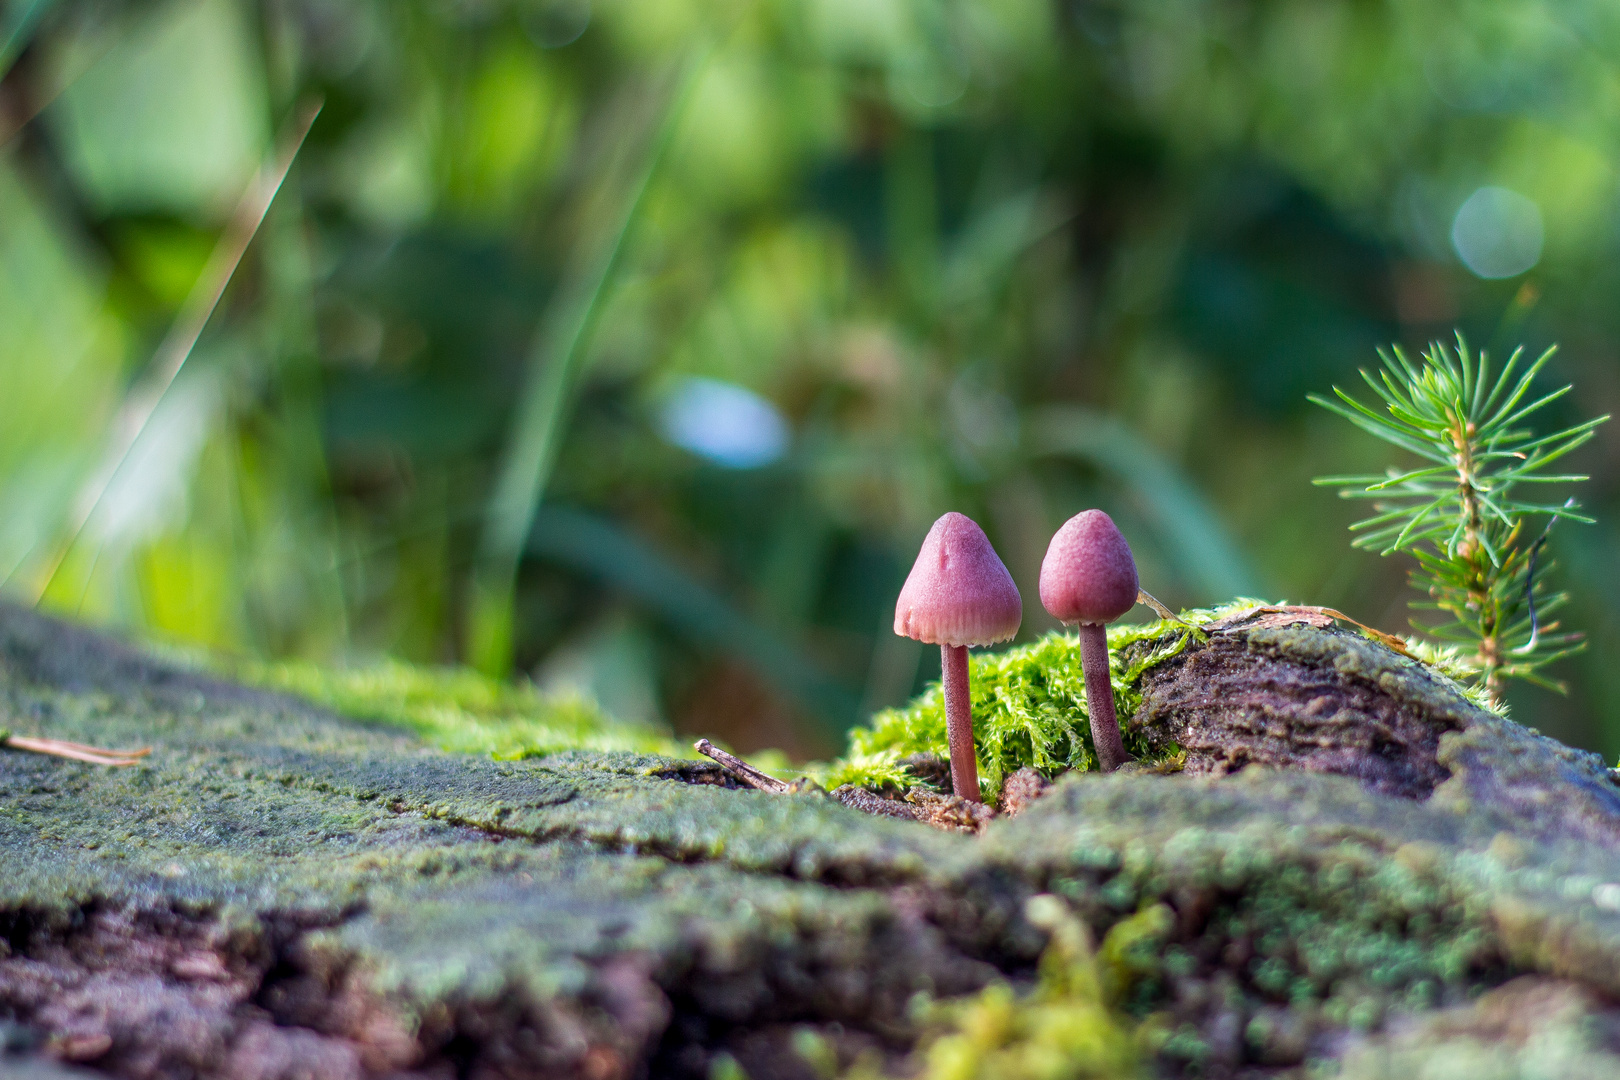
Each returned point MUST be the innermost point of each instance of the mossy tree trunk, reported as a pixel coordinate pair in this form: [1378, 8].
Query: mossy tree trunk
[1397, 878]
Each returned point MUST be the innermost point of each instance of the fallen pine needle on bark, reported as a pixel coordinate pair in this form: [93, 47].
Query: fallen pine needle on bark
[72, 750]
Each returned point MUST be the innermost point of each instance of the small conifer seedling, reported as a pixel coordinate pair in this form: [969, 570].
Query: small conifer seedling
[1456, 506]
[958, 594]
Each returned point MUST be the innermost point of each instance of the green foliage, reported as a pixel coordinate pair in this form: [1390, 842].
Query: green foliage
[1010, 257]
[459, 709]
[1459, 512]
[1029, 708]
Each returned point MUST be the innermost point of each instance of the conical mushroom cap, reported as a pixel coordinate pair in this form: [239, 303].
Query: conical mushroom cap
[1088, 575]
[958, 592]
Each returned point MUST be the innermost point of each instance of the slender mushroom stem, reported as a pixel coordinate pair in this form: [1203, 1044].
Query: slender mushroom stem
[1105, 734]
[959, 721]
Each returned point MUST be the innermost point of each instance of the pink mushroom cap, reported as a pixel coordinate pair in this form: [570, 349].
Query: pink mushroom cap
[958, 592]
[1088, 575]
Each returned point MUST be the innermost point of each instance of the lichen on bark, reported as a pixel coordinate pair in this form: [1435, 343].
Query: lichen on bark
[283, 891]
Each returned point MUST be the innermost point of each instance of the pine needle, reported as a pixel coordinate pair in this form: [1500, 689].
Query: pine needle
[72, 750]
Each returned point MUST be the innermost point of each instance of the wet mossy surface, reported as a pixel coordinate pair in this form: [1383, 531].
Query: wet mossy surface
[280, 891]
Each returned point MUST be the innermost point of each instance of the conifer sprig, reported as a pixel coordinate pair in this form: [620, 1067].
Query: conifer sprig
[1457, 510]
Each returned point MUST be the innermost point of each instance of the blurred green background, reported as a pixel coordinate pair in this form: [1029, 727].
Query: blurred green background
[633, 346]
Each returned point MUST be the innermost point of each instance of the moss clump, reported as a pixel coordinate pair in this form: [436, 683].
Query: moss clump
[1029, 708]
[1458, 669]
[1029, 705]
[1531, 1027]
[1069, 1026]
[460, 710]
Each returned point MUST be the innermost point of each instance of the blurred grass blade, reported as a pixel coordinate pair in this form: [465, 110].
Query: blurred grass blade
[602, 549]
[1196, 540]
[19, 29]
[144, 396]
[41, 98]
[554, 362]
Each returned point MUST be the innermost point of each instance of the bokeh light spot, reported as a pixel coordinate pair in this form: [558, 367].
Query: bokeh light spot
[724, 423]
[1497, 233]
[551, 24]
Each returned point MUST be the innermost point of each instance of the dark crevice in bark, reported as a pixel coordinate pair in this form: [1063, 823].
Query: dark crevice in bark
[161, 995]
[700, 772]
[167, 996]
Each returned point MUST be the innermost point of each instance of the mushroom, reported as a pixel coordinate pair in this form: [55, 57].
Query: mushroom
[958, 594]
[1088, 577]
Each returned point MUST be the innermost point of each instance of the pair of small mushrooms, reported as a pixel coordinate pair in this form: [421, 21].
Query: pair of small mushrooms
[959, 594]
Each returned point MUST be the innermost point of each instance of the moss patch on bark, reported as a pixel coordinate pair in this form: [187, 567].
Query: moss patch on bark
[281, 888]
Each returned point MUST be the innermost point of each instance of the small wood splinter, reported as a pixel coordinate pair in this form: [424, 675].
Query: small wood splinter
[75, 751]
[1265, 615]
[741, 769]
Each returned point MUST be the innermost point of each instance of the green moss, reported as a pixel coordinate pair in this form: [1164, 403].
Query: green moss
[1068, 1027]
[454, 881]
[1029, 705]
[1029, 708]
[1529, 1029]
[1457, 668]
[460, 710]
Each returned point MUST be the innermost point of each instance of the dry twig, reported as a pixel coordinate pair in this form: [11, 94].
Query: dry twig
[742, 770]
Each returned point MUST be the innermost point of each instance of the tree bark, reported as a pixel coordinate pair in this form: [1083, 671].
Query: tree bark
[1357, 866]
